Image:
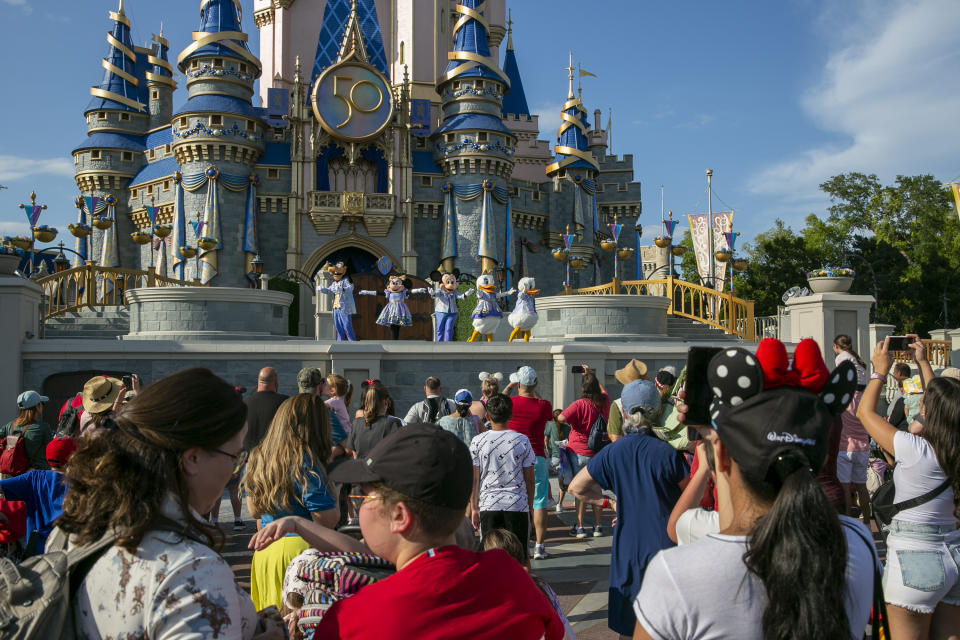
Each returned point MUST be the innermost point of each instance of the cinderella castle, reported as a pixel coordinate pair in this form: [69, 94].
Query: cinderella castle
[381, 129]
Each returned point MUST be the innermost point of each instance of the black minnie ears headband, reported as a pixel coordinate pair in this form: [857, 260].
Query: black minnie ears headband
[774, 416]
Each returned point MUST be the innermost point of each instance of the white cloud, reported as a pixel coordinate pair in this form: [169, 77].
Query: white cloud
[887, 94]
[19, 3]
[14, 168]
[549, 120]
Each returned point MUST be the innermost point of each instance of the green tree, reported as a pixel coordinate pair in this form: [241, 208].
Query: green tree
[778, 260]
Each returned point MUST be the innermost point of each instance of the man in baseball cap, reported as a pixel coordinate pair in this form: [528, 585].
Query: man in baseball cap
[415, 486]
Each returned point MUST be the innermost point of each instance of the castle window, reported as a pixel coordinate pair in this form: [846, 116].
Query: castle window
[273, 174]
[402, 58]
[149, 189]
[128, 156]
[479, 84]
[278, 134]
[251, 125]
[151, 154]
[101, 115]
[155, 95]
[184, 123]
[426, 181]
[124, 117]
[166, 148]
[194, 64]
[76, 158]
[94, 155]
[216, 120]
[514, 191]
[166, 185]
[536, 196]
[420, 143]
[243, 67]
[133, 194]
[218, 62]
[456, 85]
[449, 138]
[482, 136]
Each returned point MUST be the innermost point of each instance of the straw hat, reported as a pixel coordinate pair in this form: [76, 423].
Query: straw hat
[100, 393]
[635, 370]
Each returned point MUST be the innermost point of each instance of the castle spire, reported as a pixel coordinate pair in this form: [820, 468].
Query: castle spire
[220, 34]
[515, 101]
[118, 89]
[470, 57]
[572, 149]
[352, 45]
[509, 29]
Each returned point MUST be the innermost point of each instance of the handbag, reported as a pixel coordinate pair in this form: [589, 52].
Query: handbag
[885, 509]
[597, 438]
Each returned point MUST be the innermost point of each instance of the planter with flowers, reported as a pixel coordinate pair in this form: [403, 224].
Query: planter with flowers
[10, 258]
[830, 279]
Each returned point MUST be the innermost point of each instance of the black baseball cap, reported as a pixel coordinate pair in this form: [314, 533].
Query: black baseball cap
[421, 461]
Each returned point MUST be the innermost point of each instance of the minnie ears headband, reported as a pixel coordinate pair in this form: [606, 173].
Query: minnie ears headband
[736, 375]
[496, 376]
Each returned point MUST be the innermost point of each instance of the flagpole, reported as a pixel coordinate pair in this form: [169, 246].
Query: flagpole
[713, 267]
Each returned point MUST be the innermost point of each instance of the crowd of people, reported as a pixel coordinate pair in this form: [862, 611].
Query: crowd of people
[727, 529]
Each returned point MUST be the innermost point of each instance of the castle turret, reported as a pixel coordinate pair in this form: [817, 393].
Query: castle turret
[217, 138]
[472, 144]
[160, 83]
[112, 154]
[515, 102]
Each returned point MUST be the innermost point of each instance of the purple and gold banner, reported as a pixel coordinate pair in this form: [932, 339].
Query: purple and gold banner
[722, 223]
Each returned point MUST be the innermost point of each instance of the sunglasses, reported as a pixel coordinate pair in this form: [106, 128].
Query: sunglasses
[238, 458]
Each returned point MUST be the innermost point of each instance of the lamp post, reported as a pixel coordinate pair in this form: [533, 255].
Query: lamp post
[711, 275]
[257, 264]
[41, 233]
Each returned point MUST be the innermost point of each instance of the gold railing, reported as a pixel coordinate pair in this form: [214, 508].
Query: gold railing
[94, 286]
[687, 300]
[939, 353]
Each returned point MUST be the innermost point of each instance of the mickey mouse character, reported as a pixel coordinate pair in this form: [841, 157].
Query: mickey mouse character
[445, 298]
[343, 306]
[395, 313]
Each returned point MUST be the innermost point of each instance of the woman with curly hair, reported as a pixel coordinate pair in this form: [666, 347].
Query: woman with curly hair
[164, 458]
[921, 583]
[286, 475]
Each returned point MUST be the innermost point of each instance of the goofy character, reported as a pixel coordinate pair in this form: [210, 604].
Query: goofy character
[343, 306]
[445, 311]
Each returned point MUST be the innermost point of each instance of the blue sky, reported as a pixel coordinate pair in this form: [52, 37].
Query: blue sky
[774, 96]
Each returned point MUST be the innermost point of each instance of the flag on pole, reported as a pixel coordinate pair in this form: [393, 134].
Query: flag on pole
[584, 73]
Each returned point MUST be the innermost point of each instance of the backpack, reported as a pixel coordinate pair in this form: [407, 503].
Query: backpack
[36, 596]
[13, 453]
[597, 438]
[69, 425]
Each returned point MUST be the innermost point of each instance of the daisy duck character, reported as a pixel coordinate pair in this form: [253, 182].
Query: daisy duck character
[486, 315]
[524, 315]
[445, 312]
[343, 306]
[395, 313]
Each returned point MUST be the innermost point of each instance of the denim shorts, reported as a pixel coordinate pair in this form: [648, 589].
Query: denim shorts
[852, 467]
[581, 462]
[923, 566]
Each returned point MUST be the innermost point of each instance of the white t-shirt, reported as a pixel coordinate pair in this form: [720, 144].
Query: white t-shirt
[916, 473]
[702, 591]
[861, 371]
[501, 457]
[694, 524]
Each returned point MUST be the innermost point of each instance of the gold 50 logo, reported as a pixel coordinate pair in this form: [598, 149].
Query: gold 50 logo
[352, 101]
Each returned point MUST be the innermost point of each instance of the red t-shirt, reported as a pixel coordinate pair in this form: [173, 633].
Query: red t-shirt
[530, 417]
[580, 416]
[447, 593]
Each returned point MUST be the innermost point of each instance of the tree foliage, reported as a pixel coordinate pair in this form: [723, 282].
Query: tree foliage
[903, 240]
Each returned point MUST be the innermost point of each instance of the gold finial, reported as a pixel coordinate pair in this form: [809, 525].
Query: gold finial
[33, 201]
[509, 29]
[120, 10]
[569, 69]
[352, 44]
[161, 28]
[670, 214]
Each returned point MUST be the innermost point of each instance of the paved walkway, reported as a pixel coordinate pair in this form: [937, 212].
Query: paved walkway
[576, 569]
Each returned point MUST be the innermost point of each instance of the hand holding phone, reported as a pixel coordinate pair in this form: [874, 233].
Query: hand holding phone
[898, 343]
[698, 394]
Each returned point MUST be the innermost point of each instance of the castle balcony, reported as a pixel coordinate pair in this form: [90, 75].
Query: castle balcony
[376, 211]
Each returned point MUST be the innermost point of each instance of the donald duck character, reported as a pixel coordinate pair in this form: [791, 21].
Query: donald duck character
[343, 306]
[445, 311]
[486, 315]
[524, 315]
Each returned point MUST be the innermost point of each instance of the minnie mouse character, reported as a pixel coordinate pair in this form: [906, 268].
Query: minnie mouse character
[395, 313]
[343, 307]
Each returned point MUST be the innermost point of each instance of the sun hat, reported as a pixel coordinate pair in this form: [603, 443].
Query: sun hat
[59, 451]
[634, 370]
[525, 376]
[100, 393]
[640, 395]
[421, 461]
[773, 417]
[912, 385]
[30, 399]
[463, 397]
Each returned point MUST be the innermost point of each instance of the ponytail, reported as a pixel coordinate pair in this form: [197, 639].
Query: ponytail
[349, 394]
[799, 553]
[844, 343]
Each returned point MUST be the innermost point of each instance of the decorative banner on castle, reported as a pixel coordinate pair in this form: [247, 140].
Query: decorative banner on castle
[278, 106]
[352, 101]
[722, 223]
[420, 117]
[33, 212]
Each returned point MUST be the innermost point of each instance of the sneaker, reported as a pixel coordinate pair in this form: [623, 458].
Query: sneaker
[597, 531]
[558, 508]
[238, 525]
[540, 553]
[578, 532]
[351, 522]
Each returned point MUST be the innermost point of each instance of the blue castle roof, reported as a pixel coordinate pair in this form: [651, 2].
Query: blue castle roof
[160, 70]
[120, 87]
[111, 140]
[154, 171]
[276, 153]
[473, 121]
[471, 37]
[515, 101]
[335, 16]
[219, 17]
[158, 138]
[423, 162]
[219, 103]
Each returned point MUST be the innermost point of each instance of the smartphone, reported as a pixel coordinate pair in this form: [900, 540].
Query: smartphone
[127, 381]
[699, 395]
[899, 343]
[577, 368]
